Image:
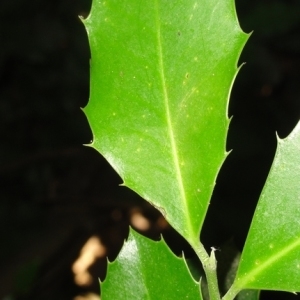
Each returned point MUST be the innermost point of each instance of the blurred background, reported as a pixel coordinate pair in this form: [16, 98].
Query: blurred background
[61, 209]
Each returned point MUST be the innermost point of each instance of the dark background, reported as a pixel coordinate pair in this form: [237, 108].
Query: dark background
[55, 194]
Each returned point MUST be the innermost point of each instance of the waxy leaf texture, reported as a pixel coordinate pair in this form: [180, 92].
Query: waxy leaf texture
[161, 75]
[146, 269]
[271, 255]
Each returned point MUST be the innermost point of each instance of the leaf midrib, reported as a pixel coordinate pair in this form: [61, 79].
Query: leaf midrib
[169, 123]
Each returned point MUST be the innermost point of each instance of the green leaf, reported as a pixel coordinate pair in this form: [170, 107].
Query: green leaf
[146, 269]
[271, 255]
[161, 74]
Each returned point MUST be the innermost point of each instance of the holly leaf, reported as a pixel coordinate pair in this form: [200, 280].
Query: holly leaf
[271, 255]
[161, 74]
[146, 269]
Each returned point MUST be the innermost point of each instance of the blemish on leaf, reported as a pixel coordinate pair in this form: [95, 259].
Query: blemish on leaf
[178, 33]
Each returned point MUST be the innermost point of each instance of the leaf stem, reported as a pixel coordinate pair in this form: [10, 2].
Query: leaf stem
[231, 293]
[209, 264]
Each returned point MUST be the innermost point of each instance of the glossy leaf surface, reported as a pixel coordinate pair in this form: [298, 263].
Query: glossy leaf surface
[161, 74]
[146, 269]
[271, 255]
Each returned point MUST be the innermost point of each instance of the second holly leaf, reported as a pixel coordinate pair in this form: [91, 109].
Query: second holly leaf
[145, 269]
[271, 255]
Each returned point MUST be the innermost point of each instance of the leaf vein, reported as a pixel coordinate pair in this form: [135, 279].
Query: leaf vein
[269, 262]
[169, 119]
